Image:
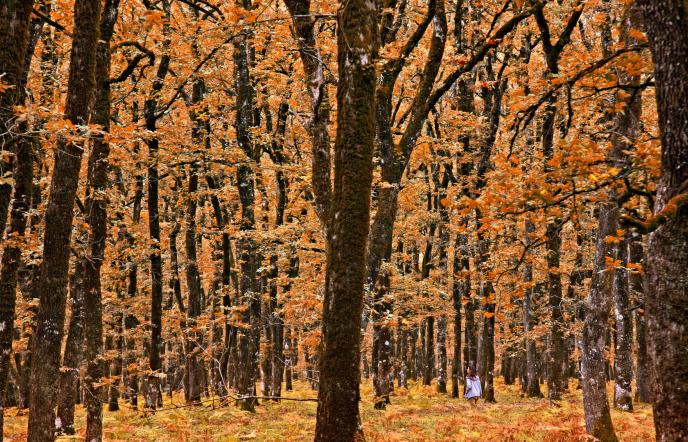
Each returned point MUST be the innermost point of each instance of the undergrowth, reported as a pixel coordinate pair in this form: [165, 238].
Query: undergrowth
[416, 414]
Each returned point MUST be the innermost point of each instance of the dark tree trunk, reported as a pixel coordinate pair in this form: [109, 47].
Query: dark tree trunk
[667, 253]
[11, 258]
[130, 321]
[380, 282]
[598, 420]
[429, 364]
[470, 349]
[556, 360]
[533, 382]
[15, 18]
[52, 284]
[623, 362]
[488, 341]
[338, 396]
[48, 66]
[248, 255]
[73, 354]
[14, 49]
[193, 369]
[643, 382]
[442, 354]
[313, 67]
[460, 290]
[150, 113]
[175, 283]
[555, 357]
[288, 381]
[552, 51]
[275, 318]
[413, 371]
[96, 218]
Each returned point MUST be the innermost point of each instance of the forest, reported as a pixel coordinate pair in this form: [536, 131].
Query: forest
[309, 220]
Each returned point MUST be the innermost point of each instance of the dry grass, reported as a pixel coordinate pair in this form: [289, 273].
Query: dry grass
[416, 414]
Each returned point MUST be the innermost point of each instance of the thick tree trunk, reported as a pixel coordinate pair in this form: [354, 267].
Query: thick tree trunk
[14, 49]
[248, 255]
[338, 396]
[48, 65]
[150, 113]
[667, 253]
[14, 43]
[598, 420]
[96, 218]
[52, 284]
[11, 259]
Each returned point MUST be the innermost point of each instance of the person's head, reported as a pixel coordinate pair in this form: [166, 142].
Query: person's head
[470, 370]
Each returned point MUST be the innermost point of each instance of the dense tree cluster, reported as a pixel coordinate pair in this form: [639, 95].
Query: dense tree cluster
[219, 197]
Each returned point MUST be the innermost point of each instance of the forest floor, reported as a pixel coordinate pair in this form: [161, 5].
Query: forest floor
[416, 414]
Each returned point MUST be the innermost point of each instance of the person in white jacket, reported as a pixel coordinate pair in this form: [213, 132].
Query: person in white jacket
[473, 388]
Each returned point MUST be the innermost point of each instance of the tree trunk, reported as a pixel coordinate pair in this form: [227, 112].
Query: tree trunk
[248, 255]
[556, 360]
[14, 49]
[460, 289]
[667, 253]
[15, 18]
[623, 362]
[11, 259]
[193, 278]
[338, 396]
[73, 354]
[96, 218]
[533, 383]
[150, 113]
[598, 420]
[643, 382]
[429, 365]
[52, 284]
[442, 354]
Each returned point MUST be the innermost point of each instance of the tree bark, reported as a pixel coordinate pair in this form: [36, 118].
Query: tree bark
[643, 381]
[14, 49]
[598, 420]
[462, 281]
[11, 254]
[623, 362]
[73, 354]
[313, 66]
[150, 113]
[96, 218]
[52, 284]
[247, 248]
[667, 253]
[193, 278]
[532, 380]
[338, 396]
[15, 18]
